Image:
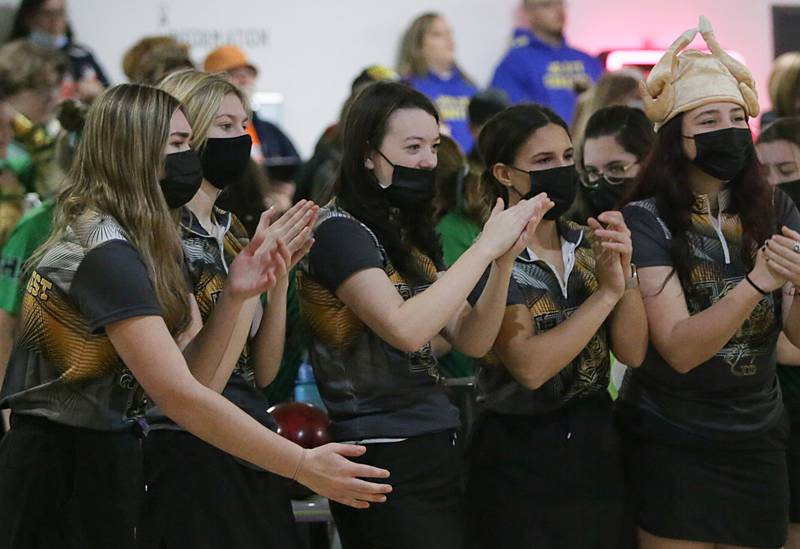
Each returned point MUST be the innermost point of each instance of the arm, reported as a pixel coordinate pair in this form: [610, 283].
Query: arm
[554, 349]
[214, 349]
[629, 336]
[146, 347]
[474, 330]
[408, 325]
[686, 341]
[267, 345]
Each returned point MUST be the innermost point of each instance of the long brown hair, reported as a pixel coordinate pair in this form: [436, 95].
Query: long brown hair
[664, 177]
[115, 172]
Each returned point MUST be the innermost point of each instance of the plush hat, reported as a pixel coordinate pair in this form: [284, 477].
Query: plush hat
[225, 58]
[680, 83]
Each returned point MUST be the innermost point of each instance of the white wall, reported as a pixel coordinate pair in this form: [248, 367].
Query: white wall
[309, 50]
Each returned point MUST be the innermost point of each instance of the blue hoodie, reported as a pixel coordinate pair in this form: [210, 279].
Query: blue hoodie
[535, 72]
[451, 97]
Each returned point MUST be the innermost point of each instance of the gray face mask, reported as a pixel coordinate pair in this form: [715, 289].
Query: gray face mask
[48, 40]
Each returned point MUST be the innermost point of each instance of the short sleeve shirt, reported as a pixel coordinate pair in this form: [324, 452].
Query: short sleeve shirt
[735, 393]
[371, 389]
[63, 366]
[551, 301]
[31, 231]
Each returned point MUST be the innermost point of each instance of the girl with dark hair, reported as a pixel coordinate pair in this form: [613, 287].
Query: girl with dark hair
[616, 142]
[702, 418]
[374, 301]
[779, 152]
[544, 452]
[45, 22]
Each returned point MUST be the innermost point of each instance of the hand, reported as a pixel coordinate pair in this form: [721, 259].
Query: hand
[327, 471]
[609, 269]
[257, 268]
[614, 236]
[295, 227]
[503, 230]
[764, 274]
[783, 261]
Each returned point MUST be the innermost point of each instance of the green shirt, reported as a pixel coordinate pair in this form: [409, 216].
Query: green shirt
[457, 233]
[31, 231]
[19, 163]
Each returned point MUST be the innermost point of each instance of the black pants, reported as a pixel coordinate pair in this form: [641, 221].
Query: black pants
[68, 488]
[425, 508]
[551, 481]
[200, 497]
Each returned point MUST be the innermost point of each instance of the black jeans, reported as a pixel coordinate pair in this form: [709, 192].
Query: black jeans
[425, 508]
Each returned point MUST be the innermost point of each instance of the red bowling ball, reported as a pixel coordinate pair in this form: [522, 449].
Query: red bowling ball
[302, 423]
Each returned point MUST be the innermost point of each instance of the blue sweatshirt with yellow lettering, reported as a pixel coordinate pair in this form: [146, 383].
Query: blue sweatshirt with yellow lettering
[451, 95]
[536, 72]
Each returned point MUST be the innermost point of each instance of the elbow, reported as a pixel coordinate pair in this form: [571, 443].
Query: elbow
[474, 349]
[632, 358]
[408, 341]
[175, 401]
[680, 364]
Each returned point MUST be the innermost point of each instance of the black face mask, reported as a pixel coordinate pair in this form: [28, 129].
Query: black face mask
[411, 187]
[723, 153]
[560, 184]
[183, 174]
[225, 159]
[605, 196]
[792, 188]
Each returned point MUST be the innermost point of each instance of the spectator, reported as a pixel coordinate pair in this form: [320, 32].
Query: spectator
[784, 88]
[45, 23]
[613, 88]
[30, 78]
[427, 61]
[541, 67]
[483, 106]
[154, 57]
[276, 150]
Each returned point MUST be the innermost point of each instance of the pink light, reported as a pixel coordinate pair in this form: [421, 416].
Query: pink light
[619, 59]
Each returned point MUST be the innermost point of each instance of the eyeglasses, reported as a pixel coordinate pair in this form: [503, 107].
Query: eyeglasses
[615, 175]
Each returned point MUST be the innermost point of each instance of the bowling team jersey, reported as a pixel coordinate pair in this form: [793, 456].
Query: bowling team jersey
[371, 389]
[63, 366]
[536, 72]
[734, 395]
[451, 95]
[207, 260]
[551, 301]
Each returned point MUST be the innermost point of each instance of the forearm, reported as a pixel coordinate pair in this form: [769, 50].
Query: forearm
[270, 338]
[629, 333]
[212, 418]
[788, 354]
[477, 330]
[537, 358]
[699, 337]
[791, 324]
[419, 319]
[214, 351]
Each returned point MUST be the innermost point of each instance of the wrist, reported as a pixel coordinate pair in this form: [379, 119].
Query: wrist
[608, 296]
[756, 283]
[480, 249]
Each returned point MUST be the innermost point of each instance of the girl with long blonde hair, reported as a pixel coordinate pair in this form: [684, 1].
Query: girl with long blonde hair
[185, 476]
[107, 297]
